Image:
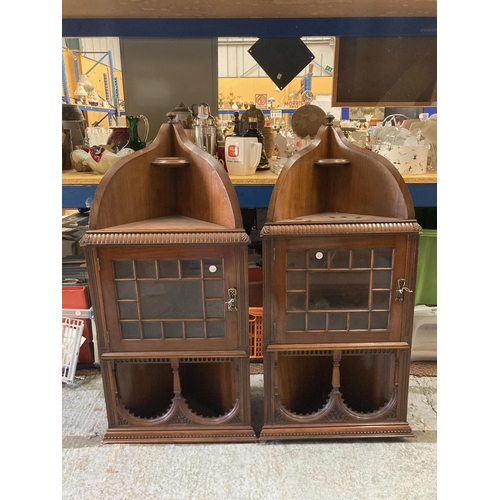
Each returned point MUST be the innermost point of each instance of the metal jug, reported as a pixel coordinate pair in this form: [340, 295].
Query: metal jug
[205, 131]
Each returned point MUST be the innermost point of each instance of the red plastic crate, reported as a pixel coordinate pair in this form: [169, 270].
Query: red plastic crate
[255, 321]
[76, 297]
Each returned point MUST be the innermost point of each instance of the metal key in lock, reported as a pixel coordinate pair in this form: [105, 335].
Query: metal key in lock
[231, 303]
[400, 289]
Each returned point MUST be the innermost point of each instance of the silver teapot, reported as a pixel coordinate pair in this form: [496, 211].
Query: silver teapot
[184, 115]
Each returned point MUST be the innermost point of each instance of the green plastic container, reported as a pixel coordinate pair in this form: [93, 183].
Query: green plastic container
[426, 287]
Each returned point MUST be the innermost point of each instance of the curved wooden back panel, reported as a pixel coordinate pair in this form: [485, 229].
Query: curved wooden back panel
[369, 185]
[134, 189]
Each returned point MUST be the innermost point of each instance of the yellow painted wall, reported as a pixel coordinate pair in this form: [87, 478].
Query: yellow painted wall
[96, 78]
[246, 88]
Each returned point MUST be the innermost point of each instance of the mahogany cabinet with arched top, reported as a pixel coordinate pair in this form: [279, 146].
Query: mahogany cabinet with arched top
[339, 254]
[167, 259]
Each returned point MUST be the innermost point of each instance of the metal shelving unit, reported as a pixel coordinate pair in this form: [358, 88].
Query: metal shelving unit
[250, 195]
[112, 113]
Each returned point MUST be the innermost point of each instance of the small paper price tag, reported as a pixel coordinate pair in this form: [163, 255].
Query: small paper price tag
[276, 113]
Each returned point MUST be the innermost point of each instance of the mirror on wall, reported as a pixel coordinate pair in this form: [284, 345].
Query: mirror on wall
[100, 72]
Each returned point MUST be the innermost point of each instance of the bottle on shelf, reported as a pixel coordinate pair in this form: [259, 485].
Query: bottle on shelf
[253, 131]
[236, 129]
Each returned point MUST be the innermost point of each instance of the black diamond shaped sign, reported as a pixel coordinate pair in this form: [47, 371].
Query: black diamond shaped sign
[281, 58]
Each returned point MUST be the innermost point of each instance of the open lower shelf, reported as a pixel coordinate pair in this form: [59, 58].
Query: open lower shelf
[335, 392]
[305, 383]
[146, 389]
[208, 388]
[175, 399]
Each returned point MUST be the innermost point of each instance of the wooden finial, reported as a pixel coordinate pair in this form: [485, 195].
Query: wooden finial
[171, 116]
[329, 120]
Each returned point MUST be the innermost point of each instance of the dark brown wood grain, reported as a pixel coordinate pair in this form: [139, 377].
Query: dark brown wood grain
[166, 246]
[135, 189]
[331, 367]
[369, 185]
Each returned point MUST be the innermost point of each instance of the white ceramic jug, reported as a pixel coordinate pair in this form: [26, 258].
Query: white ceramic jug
[242, 155]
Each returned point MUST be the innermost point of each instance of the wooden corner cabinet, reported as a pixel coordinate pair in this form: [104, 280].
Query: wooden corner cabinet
[339, 252]
[166, 253]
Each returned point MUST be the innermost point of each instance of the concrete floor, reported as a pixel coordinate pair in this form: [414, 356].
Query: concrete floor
[378, 469]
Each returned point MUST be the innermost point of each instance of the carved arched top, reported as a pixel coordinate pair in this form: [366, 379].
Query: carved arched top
[138, 188]
[357, 182]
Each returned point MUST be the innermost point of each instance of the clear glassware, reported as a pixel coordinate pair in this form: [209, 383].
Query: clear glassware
[97, 136]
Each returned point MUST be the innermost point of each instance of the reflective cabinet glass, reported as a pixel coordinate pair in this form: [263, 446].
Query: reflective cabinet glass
[162, 302]
[338, 289]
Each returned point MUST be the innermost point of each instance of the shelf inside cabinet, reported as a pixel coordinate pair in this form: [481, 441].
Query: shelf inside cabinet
[170, 223]
[338, 218]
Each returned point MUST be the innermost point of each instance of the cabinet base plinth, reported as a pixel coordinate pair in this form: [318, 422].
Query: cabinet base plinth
[243, 434]
[280, 432]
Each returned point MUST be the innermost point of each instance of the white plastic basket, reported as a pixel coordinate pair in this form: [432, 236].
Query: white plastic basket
[424, 344]
[72, 331]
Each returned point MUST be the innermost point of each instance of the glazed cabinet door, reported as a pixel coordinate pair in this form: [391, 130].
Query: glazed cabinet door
[341, 289]
[174, 298]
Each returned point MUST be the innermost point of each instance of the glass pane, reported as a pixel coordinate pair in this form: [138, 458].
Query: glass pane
[195, 329]
[339, 290]
[380, 320]
[168, 268]
[152, 329]
[212, 268]
[382, 258]
[337, 321]
[318, 259]
[296, 301]
[382, 279]
[128, 310]
[214, 289]
[296, 321]
[316, 321]
[339, 259]
[190, 269]
[358, 321]
[125, 290]
[361, 258]
[173, 329]
[214, 308]
[215, 329]
[131, 330]
[296, 259]
[123, 269]
[380, 300]
[145, 268]
[296, 280]
[171, 299]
